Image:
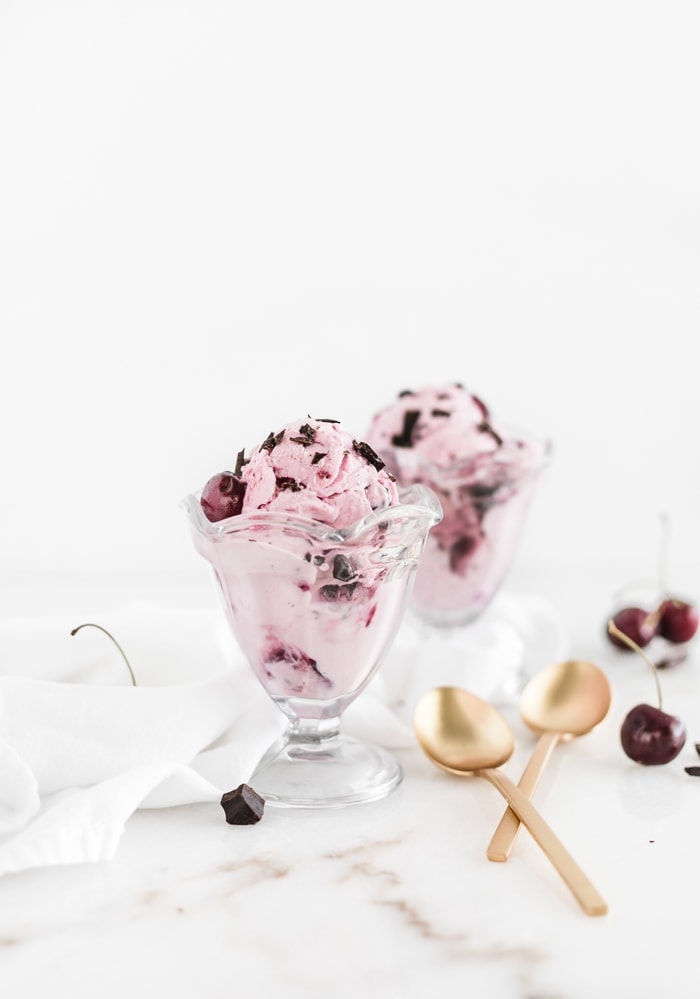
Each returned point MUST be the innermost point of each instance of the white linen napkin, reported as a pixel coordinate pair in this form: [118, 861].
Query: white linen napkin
[81, 748]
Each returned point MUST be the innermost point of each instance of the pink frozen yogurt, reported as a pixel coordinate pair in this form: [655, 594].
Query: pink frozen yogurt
[313, 549]
[444, 437]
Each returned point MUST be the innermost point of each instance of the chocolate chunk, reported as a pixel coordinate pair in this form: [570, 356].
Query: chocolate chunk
[693, 771]
[240, 462]
[319, 456]
[307, 435]
[405, 438]
[369, 454]
[486, 428]
[482, 406]
[286, 482]
[460, 550]
[343, 569]
[271, 441]
[334, 592]
[243, 806]
[318, 559]
[406, 392]
[480, 490]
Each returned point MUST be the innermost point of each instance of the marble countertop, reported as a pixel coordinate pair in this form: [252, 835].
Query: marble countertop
[394, 898]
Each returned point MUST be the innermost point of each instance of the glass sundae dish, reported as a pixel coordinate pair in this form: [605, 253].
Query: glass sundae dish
[484, 477]
[314, 550]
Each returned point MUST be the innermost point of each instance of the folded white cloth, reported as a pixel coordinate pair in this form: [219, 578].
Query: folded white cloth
[81, 748]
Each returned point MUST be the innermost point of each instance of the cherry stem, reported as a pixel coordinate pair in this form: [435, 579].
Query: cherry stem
[614, 630]
[89, 624]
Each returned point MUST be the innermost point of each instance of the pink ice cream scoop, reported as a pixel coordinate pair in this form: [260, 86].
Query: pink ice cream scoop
[310, 468]
[445, 437]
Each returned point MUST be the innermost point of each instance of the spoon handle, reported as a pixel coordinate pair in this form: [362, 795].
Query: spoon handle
[502, 840]
[588, 897]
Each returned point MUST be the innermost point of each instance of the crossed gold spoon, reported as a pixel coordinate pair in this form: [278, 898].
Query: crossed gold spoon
[559, 703]
[466, 736]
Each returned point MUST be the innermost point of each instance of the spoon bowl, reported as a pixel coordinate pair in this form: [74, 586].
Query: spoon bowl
[568, 698]
[466, 736]
[559, 703]
[461, 733]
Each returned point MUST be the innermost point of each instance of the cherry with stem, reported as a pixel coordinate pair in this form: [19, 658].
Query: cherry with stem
[649, 735]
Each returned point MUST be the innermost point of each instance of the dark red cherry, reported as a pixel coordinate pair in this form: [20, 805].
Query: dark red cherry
[635, 622]
[222, 496]
[652, 736]
[649, 735]
[679, 621]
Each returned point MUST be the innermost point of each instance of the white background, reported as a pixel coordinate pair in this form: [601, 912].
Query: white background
[217, 216]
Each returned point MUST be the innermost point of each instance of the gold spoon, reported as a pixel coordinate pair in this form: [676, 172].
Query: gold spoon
[559, 703]
[466, 736]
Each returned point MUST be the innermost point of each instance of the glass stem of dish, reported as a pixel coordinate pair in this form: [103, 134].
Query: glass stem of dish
[313, 730]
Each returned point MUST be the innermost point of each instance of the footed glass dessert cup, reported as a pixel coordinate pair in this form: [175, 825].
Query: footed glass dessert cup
[484, 501]
[314, 610]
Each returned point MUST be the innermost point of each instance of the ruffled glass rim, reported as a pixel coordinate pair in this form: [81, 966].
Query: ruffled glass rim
[416, 503]
[484, 462]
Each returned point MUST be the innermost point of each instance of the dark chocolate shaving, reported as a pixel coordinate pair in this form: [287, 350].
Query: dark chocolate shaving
[482, 406]
[460, 550]
[481, 489]
[320, 419]
[369, 454]
[288, 484]
[318, 559]
[693, 771]
[482, 496]
[486, 428]
[343, 569]
[405, 438]
[334, 592]
[271, 441]
[319, 456]
[243, 806]
[240, 462]
[440, 412]
[406, 392]
[307, 435]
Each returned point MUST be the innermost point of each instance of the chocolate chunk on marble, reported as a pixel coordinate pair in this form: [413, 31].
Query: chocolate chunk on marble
[243, 806]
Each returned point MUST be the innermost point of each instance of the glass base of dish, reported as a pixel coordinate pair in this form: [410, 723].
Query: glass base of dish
[485, 657]
[324, 773]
